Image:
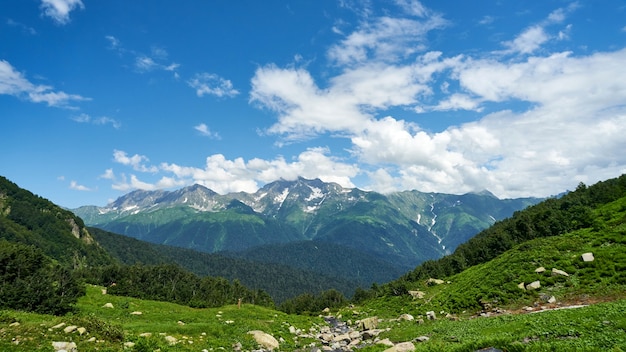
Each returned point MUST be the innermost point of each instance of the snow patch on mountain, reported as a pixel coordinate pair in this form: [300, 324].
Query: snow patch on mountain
[281, 197]
[315, 194]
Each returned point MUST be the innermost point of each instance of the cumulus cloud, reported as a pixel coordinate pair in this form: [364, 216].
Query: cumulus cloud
[137, 162]
[14, 83]
[212, 84]
[553, 120]
[59, 10]
[224, 175]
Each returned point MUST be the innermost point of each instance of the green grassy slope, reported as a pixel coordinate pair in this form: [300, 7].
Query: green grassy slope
[193, 329]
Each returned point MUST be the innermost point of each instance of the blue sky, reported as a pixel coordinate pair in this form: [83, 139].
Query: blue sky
[523, 98]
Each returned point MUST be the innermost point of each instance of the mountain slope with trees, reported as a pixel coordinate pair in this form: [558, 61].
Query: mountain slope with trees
[493, 267]
[403, 229]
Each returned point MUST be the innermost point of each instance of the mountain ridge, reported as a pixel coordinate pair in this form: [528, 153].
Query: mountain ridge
[401, 228]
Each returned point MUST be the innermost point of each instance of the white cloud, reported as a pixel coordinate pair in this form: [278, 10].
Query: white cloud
[413, 7]
[145, 64]
[205, 131]
[75, 186]
[385, 39]
[108, 174]
[13, 83]
[567, 125]
[136, 161]
[533, 37]
[458, 101]
[59, 10]
[114, 43]
[212, 84]
[103, 120]
[528, 41]
[223, 175]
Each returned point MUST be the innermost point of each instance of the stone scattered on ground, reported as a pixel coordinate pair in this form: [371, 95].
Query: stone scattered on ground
[264, 339]
[407, 317]
[368, 323]
[70, 329]
[108, 305]
[587, 257]
[58, 326]
[540, 270]
[533, 285]
[64, 346]
[556, 271]
[171, 340]
[402, 347]
[417, 294]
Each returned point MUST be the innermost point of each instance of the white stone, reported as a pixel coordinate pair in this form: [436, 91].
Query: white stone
[64, 346]
[171, 340]
[81, 330]
[540, 270]
[588, 257]
[533, 285]
[407, 317]
[70, 329]
[266, 340]
[402, 347]
[136, 313]
[556, 271]
[108, 305]
[417, 294]
[385, 342]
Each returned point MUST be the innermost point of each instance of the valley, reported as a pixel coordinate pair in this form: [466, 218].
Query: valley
[558, 253]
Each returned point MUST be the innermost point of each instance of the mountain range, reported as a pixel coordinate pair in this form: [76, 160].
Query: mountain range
[393, 232]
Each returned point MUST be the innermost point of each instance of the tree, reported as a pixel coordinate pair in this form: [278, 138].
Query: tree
[30, 281]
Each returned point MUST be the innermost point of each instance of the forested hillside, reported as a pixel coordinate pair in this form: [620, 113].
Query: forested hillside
[553, 217]
[32, 220]
[280, 281]
[47, 254]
